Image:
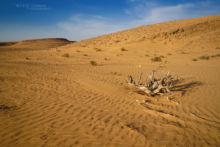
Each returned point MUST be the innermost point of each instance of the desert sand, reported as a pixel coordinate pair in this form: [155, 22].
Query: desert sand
[57, 93]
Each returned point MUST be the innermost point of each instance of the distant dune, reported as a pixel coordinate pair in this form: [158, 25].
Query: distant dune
[36, 43]
[57, 93]
[7, 43]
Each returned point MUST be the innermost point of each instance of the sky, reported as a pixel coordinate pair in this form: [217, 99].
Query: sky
[82, 19]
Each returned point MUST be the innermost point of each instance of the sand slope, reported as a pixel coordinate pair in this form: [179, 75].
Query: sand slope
[57, 98]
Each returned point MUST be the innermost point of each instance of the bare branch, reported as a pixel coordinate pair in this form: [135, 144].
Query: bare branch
[140, 79]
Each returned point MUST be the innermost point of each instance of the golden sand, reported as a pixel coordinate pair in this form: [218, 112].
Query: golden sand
[54, 96]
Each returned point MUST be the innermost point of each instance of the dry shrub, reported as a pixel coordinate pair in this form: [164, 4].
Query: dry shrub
[147, 55]
[156, 59]
[204, 57]
[5, 107]
[216, 55]
[93, 63]
[106, 58]
[123, 49]
[97, 49]
[194, 59]
[66, 55]
[116, 73]
[154, 85]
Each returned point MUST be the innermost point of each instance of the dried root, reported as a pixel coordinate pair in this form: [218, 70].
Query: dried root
[154, 85]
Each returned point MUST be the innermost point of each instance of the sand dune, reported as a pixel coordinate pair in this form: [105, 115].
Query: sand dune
[76, 95]
[7, 43]
[35, 44]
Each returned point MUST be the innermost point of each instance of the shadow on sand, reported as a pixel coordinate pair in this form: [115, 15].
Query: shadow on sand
[184, 87]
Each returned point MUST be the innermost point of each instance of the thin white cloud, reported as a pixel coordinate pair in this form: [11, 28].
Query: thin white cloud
[34, 7]
[167, 13]
[150, 12]
[85, 26]
[132, 0]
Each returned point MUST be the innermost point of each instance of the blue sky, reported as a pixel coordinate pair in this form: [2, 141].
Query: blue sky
[82, 19]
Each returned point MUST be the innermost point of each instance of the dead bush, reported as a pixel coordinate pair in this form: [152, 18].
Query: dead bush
[194, 59]
[154, 85]
[204, 57]
[156, 59]
[66, 55]
[97, 49]
[93, 63]
[123, 49]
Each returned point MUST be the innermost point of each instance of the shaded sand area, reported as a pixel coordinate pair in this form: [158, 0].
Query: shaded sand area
[75, 95]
